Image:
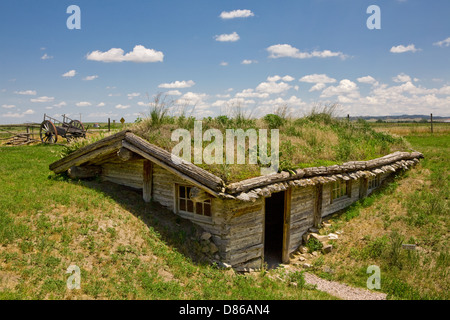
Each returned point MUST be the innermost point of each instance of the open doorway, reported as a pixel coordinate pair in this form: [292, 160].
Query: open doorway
[273, 230]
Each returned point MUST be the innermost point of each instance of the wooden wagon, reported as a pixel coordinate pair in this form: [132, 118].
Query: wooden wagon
[68, 128]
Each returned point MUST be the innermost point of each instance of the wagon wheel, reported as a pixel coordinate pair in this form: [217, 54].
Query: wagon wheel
[48, 132]
[77, 125]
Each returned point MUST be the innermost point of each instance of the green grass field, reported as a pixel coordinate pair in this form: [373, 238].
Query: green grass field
[128, 250]
[414, 209]
[125, 250]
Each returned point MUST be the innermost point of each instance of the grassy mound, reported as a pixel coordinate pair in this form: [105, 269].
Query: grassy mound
[316, 139]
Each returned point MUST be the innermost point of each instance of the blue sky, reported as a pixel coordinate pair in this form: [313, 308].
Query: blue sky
[210, 56]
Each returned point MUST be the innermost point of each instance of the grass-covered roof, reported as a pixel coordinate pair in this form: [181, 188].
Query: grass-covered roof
[317, 139]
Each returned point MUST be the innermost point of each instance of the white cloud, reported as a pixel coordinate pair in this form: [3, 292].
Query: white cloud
[401, 78]
[277, 78]
[445, 90]
[69, 74]
[193, 99]
[232, 37]
[236, 14]
[250, 93]
[292, 101]
[17, 114]
[83, 104]
[120, 106]
[239, 102]
[140, 54]
[43, 99]
[402, 48]
[317, 78]
[90, 78]
[101, 104]
[46, 57]
[273, 78]
[443, 43]
[26, 92]
[288, 51]
[368, 80]
[345, 87]
[61, 104]
[177, 85]
[317, 87]
[224, 95]
[224, 64]
[248, 61]
[287, 78]
[273, 87]
[173, 93]
[133, 95]
[219, 103]
[8, 106]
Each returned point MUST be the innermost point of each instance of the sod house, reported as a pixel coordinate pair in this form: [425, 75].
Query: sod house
[249, 220]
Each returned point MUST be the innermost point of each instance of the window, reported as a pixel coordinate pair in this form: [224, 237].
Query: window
[185, 204]
[374, 182]
[340, 189]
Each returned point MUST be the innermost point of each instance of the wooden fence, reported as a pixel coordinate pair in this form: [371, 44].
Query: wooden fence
[19, 134]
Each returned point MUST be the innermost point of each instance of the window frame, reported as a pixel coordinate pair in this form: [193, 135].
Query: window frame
[337, 193]
[374, 182]
[206, 206]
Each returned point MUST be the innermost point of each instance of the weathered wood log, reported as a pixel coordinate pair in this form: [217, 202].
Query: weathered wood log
[84, 172]
[147, 181]
[169, 168]
[318, 196]
[262, 181]
[257, 182]
[126, 155]
[85, 158]
[73, 158]
[286, 225]
[166, 160]
[363, 187]
[199, 195]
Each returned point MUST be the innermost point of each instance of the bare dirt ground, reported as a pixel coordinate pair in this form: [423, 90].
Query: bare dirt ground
[342, 291]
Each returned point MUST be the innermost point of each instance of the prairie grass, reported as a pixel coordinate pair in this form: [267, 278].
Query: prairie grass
[125, 249]
[411, 210]
[318, 138]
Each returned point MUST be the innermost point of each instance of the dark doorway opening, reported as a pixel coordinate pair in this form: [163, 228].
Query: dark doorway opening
[273, 232]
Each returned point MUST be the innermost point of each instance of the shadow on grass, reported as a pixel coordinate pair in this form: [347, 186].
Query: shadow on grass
[173, 230]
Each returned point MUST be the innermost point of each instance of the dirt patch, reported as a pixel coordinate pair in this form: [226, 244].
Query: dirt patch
[8, 280]
[341, 290]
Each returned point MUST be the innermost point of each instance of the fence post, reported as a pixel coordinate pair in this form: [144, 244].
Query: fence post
[431, 118]
[109, 124]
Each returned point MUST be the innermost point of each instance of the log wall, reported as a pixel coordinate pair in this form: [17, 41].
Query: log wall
[302, 214]
[329, 207]
[128, 173]
[242, 237]
[237, 227]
